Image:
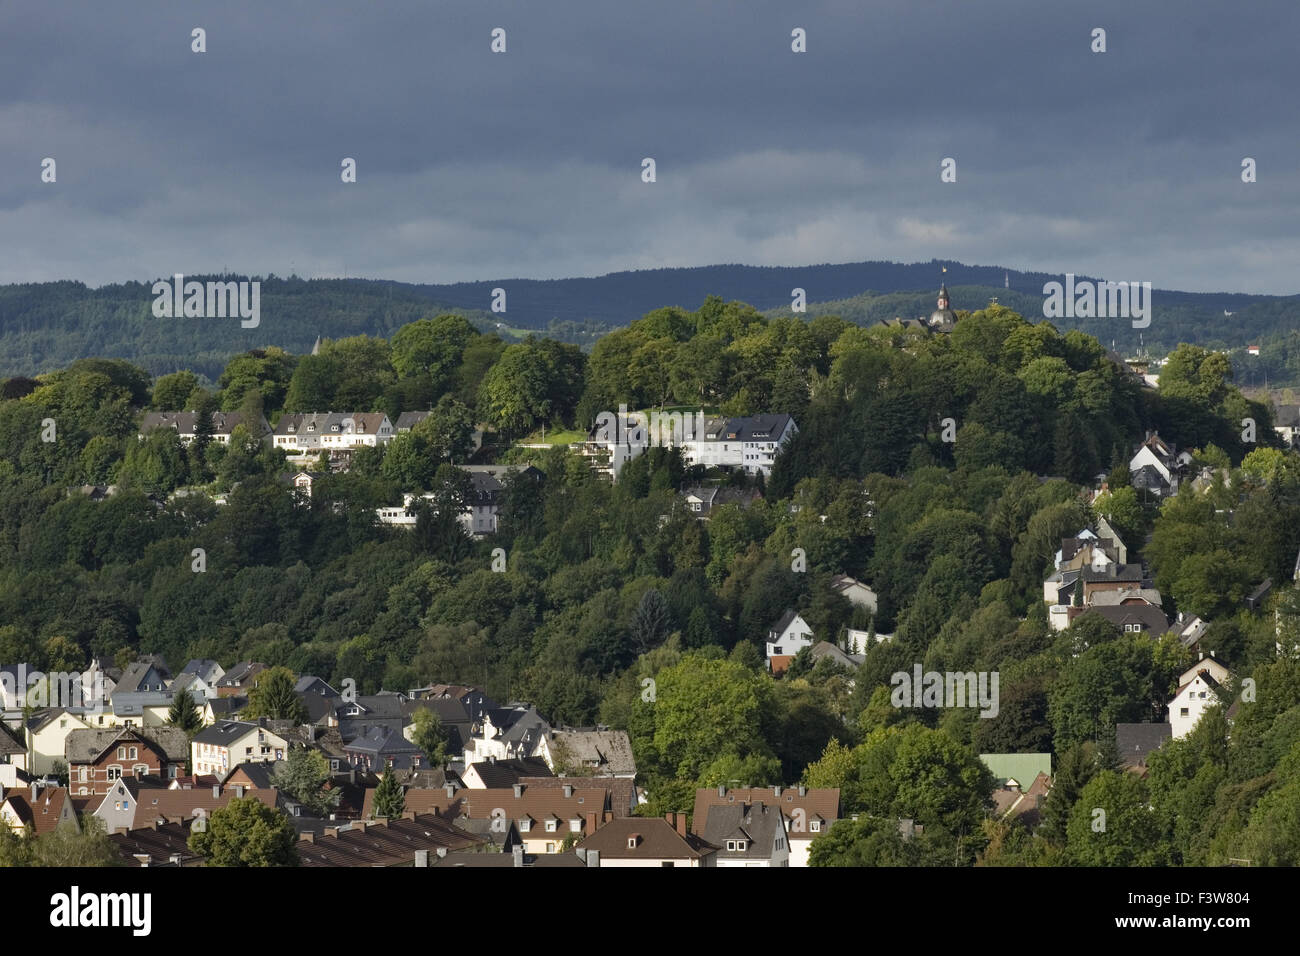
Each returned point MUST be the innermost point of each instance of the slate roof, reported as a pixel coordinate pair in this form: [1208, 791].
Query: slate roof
[506, 773]
[1135, 741]
[1151, 618]
[135, 673]
[816, 803]
[382, 741]
[757, 824]
[225, 732]
[777, 629]
[1110, 598]
[260, 776]
[9, 746]
[206, 670]
[223, 423]
[241, 674]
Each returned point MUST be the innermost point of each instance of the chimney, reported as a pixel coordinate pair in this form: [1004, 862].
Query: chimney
[593, 821]
[442, 852]
[331, 832]
[568, 791]
[518, 853]
[492, 758]
[307, 836]
[593, 858]
[803, 791]
[681, 824]
[776, 791]
[421, 858]
[261, 722]
[722, 789]
[519, 790]
[216, 791]
[1202, 656]
[359, 825]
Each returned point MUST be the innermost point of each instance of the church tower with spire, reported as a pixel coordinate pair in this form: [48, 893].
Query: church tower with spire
[942, 318]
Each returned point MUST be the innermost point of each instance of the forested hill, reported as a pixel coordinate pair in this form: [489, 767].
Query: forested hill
[49, 325]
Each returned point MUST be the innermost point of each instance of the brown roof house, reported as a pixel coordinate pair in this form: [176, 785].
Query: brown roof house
[38, 810]
[646, 841]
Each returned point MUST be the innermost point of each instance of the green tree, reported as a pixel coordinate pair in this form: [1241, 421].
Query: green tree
[184, 712]
[66, 846]
[273, 696]
[390, 799]
[1112, 825]
[246, 832]
[429, 735]
[303, 775]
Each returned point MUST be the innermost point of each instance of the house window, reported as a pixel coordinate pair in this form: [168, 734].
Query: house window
[1182, 712]
[550, 848]
[114, 772]
[575, 826]
[121, 753]
[134, 753]
[740, 846]
[550, 826]
[631, 843]
[776, 650]
[85, 774]
[815, 826]
[141, 769]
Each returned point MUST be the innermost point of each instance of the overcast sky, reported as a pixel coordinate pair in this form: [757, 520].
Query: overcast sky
[474, 165]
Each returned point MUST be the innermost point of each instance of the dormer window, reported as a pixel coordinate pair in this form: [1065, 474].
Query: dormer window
[550, 826]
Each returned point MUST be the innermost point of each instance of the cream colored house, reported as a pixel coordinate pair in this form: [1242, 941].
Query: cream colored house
[46, 736]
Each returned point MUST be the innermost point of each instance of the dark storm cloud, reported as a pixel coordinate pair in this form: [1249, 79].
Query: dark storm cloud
[474, 165]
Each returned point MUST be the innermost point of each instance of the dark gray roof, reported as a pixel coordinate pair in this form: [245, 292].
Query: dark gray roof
[223, 732]
[756, 823]
[205, 669]
[506, 773]
[227, 706]
[783, 623]
[260, 775]
[239, 675]
[142, 672]
[1134, 741]
[1148, 616]
[382, 741]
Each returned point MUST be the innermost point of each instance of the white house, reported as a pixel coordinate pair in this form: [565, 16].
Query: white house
[857, 593]
[184, 424]
[1201, 686]
[332, 431]
[223, 746]
[748, 443]
[786, 638]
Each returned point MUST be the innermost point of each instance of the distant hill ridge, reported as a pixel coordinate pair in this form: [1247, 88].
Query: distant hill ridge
[47, 325]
